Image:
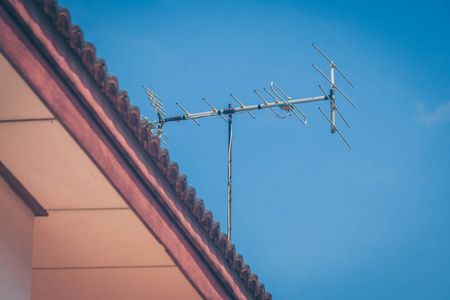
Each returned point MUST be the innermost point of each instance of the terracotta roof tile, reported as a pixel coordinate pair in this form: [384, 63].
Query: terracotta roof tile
[131, 115]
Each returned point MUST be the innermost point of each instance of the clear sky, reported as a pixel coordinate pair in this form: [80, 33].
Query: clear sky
[312, 218]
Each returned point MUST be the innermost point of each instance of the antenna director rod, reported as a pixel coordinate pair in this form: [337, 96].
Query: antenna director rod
[237, 109]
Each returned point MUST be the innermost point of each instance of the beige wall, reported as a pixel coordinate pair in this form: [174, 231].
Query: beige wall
[16, 245]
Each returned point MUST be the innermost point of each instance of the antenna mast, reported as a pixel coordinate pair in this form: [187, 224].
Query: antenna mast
[285, 103]
[230, 144]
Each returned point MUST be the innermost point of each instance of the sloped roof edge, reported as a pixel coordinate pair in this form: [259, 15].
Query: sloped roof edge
[108, 84]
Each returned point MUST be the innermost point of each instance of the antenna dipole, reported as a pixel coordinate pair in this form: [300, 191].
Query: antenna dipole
[284, 102]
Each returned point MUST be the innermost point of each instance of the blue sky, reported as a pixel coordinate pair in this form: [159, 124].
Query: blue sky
[312, 218]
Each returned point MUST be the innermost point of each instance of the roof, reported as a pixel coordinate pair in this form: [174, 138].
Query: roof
[120, 102]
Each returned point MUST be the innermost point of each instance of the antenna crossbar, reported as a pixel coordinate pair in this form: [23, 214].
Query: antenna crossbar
[334, 65]
[334, 85]
[334, 106]
[335, 128]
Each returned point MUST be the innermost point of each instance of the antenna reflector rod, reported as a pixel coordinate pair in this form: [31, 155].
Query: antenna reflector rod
[158, 130]
[185, 111]
[146, 88]
[159, 110]
[276, 100]
[242, 106]
[162, 141]
[162, 133]
[214, 109]
[334, 106]
[149, 123]
[334, 85]
[335, 128]
[154, 99]
[151, 94]
[158, 106]
[265, 102]
[187, 114]
[334, 66]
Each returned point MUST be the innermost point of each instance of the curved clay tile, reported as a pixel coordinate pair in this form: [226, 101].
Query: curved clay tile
[100, 72]
[63, 21]
[198, 208]
[111, 86]
[214, 232]
[172, 173]
[206, 220]
[245, 272]
[237, 263]
[189, 194]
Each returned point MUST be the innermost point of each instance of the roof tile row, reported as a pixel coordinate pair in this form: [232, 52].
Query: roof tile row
[131, 115]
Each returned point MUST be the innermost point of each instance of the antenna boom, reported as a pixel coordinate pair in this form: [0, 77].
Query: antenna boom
[234, 110]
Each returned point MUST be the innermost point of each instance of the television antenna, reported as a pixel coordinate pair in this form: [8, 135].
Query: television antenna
[285, 103]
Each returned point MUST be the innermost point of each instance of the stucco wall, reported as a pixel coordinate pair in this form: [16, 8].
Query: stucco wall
[16, 245]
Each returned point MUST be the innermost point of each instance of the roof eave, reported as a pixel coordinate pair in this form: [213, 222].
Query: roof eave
[99, 117]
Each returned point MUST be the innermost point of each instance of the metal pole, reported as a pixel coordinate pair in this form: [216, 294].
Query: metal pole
[230, 140]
